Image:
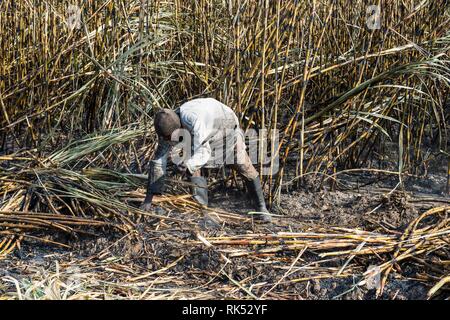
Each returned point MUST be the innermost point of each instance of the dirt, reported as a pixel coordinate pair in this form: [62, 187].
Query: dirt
[200, 272]
[368, 208]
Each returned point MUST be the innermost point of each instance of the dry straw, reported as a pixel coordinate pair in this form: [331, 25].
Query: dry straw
[77, 100]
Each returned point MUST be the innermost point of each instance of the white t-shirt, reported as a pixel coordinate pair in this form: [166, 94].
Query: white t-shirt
[209, 122]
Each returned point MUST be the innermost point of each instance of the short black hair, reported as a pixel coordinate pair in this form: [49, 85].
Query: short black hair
[166, 122]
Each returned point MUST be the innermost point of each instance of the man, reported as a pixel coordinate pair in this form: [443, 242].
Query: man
[209, 123]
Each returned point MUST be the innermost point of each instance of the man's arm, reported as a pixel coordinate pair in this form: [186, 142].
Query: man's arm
[157, 173]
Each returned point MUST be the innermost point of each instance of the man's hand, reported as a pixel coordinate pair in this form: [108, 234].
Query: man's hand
[182, 168]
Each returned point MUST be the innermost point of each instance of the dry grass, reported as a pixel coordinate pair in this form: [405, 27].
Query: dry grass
[168, 261]
[76, 110]
[336, 90]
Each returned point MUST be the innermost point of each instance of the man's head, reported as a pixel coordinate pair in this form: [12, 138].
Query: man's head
[166, 122]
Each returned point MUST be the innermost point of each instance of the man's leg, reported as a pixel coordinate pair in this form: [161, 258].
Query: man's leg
[245, 167]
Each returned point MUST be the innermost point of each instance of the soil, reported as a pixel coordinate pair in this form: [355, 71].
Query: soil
[111, 261]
